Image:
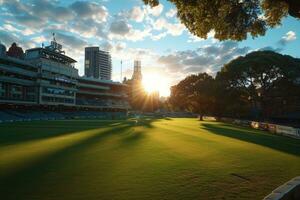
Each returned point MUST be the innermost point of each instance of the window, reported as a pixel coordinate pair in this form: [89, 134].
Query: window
[57, 100]
[87, 63]
[57, 91]
[16, 96]
[16, 88]
[30, 90]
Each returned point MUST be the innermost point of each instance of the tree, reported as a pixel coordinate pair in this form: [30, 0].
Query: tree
[194, 94]
[232, 19]
[15, 51]
[258, 75]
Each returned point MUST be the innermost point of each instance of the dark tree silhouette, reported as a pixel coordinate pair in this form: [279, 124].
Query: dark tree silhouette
[261, 84]
[259, 75]
[195, 94]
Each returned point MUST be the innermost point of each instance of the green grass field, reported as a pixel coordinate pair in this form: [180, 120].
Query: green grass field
[151, 159]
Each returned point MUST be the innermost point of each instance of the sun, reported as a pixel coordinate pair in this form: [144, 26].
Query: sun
[153, 82]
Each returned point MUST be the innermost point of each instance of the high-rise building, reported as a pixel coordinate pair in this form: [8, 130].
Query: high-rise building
[137, 71]
[97, 63]
[2, 49]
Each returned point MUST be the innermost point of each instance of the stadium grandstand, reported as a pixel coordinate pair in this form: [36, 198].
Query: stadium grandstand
[43, 84]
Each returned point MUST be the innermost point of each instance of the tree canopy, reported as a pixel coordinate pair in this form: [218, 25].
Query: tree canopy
[259, 75]
[232, 19]
[261, 84]
[194, 94]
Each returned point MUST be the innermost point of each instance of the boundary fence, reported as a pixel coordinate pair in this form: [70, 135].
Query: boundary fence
[272, 128]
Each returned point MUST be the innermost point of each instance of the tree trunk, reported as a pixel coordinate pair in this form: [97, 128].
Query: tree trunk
[201, 117]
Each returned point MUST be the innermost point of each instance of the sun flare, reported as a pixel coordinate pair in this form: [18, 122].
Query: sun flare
[156, 82]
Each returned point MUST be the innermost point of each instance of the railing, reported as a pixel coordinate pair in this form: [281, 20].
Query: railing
[288, 191]
[17, 80]
[272, 128]
[18, 70]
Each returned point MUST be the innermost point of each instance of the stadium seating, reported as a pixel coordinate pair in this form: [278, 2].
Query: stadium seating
[26, 115]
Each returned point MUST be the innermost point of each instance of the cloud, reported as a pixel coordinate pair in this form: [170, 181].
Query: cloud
[209, 58]
[138, 35]
[159, 36]
[155, 11]
[171, 13]
[81, 17]
[30, 21]
[37, 13]
[89, 19]
[88, 28]
[194, 38]
[120, 27]
[137, 14]
[71, 41]
[12, 28]
[288, 37]
[269, 48]
[174, 29]
[39, 39]
[48, 11]
[7, 39]
[92, 10]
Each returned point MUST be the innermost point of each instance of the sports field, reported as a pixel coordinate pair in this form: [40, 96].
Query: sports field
[149, 159]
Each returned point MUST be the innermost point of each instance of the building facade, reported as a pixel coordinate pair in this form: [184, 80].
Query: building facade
[95, 93]
[18, 81]
[47, 77]
[57, 75]
[137, 71]
[97, 63]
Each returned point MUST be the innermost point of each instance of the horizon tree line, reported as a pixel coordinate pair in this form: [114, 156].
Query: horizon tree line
[260, 85]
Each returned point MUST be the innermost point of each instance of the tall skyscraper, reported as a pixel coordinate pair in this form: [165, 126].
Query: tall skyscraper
[137, 71]
[97, 63]
[2, 49]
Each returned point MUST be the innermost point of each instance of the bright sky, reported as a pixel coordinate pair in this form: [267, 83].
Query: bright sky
[130, 30]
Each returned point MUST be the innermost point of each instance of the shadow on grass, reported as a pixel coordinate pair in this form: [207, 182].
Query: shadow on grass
[133, 137]
[21, 179]
[12, 133]
[280, 143]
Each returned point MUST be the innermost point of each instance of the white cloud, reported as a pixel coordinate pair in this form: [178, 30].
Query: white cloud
[159, 36]
[171, 13]
[155, 11]
[288, 37]
[39, 39]
[137, 14]
[194, 38]
[208, 58]
[138, 35]
[172, 29]
[131, 35]
[27, 32]
[11, 28]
